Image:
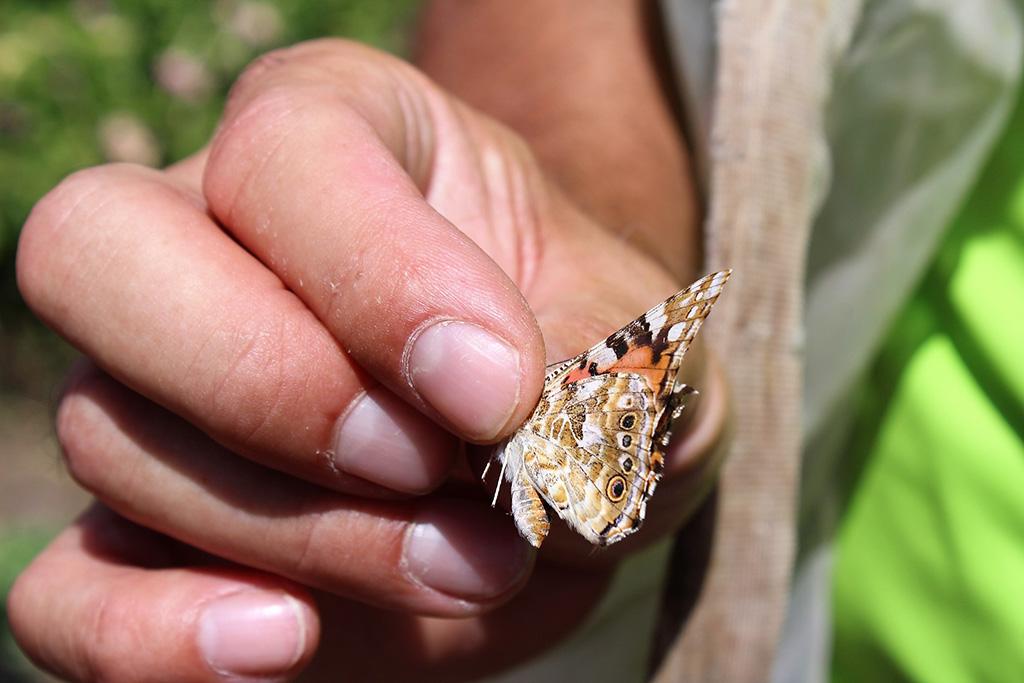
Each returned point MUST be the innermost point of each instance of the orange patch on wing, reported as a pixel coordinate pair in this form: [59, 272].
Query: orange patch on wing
[654, 376]
[576, 375]
[640, 361]
[638, 357]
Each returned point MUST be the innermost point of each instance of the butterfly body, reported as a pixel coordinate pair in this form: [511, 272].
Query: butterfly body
[594, 448]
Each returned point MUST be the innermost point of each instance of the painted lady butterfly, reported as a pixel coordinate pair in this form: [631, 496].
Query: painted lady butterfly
[594, 448]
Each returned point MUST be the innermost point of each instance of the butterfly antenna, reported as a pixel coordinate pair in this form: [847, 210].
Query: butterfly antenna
[497, 489]
[487, 468]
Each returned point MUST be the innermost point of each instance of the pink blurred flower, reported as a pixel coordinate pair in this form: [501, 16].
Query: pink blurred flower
[257, 24]
[124, 137]
[183, 75]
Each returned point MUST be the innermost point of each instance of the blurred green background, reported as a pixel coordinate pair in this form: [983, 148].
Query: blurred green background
[83, 82]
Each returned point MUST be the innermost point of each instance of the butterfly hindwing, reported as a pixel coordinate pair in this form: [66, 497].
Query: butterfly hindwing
[590, 459]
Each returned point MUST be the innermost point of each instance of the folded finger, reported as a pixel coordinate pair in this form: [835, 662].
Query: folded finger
[432, 555]
[127, 264]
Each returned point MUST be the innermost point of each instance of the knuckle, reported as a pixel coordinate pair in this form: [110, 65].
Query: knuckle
[255, 74]
[259, 118]
[21, 616]
[78, 437]
[72, 658]
[321, 56]
[91, 653]
[253, 137]
[278, 104]
[76, 194]
[284, 65]
[30, 623]
[50, 231]
[64, 226]
[27, 619]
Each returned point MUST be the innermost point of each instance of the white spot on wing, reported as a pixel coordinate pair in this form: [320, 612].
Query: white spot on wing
[656, 317]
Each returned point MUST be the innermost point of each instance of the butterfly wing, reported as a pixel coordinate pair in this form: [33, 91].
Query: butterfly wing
[594, 447]
[590, 461]
[654, 344]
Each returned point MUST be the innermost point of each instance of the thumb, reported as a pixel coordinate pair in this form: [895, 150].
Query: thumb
[318, 171]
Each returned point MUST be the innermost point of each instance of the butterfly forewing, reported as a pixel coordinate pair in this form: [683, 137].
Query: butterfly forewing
[654, 344]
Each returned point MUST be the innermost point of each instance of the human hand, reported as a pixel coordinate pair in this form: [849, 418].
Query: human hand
[239, 309]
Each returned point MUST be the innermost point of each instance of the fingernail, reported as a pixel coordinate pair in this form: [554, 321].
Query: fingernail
[253, 633]
[465, 551]
[384, 440]
[468, 375]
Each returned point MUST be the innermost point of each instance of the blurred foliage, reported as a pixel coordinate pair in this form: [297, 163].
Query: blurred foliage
[16, 551]
[88, 81]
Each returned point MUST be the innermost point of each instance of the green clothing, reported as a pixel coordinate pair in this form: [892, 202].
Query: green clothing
[929, 573]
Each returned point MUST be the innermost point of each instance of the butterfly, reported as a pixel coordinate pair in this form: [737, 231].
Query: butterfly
[594, 448]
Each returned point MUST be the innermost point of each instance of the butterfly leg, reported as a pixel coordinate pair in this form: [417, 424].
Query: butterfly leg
[497, 489]
[528, 510]
[683, 397]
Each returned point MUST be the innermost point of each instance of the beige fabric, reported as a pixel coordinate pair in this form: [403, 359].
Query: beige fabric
[770, 90]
